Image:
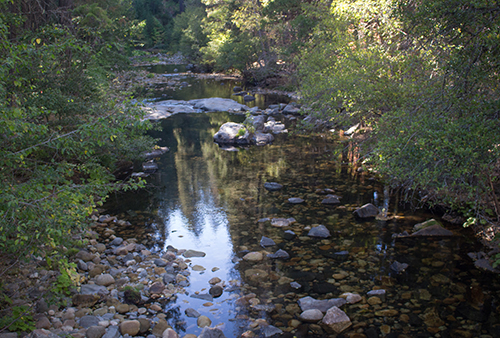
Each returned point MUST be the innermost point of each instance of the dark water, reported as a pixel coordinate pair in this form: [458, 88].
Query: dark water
[208, 199]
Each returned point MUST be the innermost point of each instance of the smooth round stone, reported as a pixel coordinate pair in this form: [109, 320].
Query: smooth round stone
[198, 268]
[190, 312]
[339, 276]
[295, 200]
[193, 253]
[387, 313]
[100, 312]
[122, 308]
[170, 333]
[104, 323]
[145, 325]
[203, 321]
[253, 256]
[352, 298]
[155, 307]
[130, 327]
[311, 316]
[215, 291]
[105, 280]
[272, 186]
[88, 321]
[214, 280]
[95, 331]
[160, 262]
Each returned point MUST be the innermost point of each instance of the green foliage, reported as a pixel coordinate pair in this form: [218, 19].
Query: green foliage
[68, 278]
[188, 35]
[241, 132]
[423, 75]
[21, 320]
[61, 135]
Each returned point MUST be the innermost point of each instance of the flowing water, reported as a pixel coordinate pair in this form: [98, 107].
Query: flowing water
[211, 200]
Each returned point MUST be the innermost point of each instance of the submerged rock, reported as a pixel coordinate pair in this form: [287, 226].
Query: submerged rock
[331, 200]
[433, 230]
[311, 316]
[266, 241]
[289, 234]
[270, 331]
[281, 254]
[398, 267]
[425, 224]
[320, 231]
[273, 186]
[308, 302]
[282, 222]
[336, 320]
[366, 211]
[295, 200]
[260, 139]
[216, 291]
[190, 312]
[253, 256]
[193, 253]
[211, 332]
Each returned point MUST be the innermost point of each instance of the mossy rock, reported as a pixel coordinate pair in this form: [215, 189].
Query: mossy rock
[426, 224]
[132, 296]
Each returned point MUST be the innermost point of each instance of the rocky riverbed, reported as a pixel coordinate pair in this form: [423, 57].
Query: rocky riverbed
[125, 290]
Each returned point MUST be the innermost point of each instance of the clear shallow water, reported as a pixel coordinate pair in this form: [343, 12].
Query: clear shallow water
[211, 200]
[208, 199]
[203, 86]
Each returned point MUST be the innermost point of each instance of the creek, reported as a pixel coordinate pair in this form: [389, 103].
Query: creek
[207, 199]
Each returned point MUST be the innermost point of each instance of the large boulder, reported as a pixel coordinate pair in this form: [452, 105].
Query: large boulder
[232, 133]
[218, 104]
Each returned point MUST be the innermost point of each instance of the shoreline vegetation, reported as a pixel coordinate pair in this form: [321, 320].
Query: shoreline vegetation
[420, 77]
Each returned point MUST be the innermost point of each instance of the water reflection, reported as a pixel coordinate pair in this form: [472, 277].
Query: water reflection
[200, 86]
[212, 200]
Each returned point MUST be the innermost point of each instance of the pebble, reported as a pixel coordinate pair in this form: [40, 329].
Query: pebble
[374, 300]
[130, 327]
[203, 321]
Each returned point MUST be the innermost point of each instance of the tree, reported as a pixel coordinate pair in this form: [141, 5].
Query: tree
[423, 75]
[61, 136]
